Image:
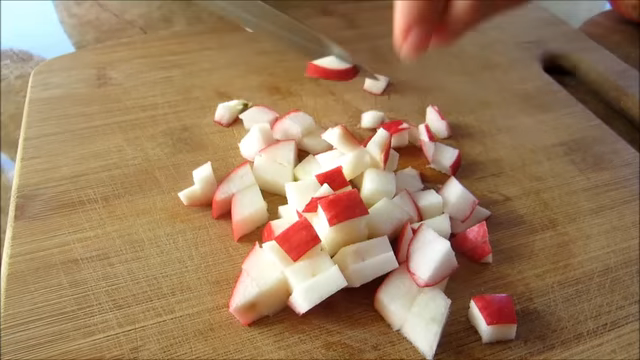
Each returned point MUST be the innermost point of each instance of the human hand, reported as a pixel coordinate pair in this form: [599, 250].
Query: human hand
[419, 24]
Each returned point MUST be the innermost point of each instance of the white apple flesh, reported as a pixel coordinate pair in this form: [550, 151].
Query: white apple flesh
[372, 119]
[445, 159]
[441, 224]
[392, 161]
[341, 139]
[203, 188]
[365, 261]
[494, 317]
[313, 143]
[312, 292]
[331, 68]
[271, 175]
[479, 214]
[227, 112]
[299, 193]
[429, 202]
[386, 218]
[307, 168]
[457, 201]
[238, 179]
[402, 243]
[248, 211]
[426, 319]
[395, 296]
[258, 114]
[376, 86]
[438, 125]
[355, 163]
[408, 179]
[293, 126]
[430, 258]
[377, 184]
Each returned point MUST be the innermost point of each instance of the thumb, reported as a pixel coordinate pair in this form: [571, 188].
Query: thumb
[413, 25]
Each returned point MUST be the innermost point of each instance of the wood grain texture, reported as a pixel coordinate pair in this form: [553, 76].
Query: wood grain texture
[102, 259]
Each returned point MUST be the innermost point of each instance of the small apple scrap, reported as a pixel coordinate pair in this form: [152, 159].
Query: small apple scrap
[346, 206]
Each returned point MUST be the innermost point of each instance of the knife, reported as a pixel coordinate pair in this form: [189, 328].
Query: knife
[258, 16]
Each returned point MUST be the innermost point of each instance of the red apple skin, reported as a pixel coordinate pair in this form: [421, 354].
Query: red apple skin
[394, 126]
[453, 168]
[298, 238]
[415, 204]
[343, 206]
[319, 72]
[267, 233]
[473, 242]
[312, 205]
[334, 178]
[496, 309]
[401, 240]
[216, 209]
[629, 9]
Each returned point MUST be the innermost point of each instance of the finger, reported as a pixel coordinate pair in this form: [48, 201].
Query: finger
[464, 15]
[413, 25]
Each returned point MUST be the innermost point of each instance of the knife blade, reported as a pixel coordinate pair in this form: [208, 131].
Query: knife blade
[260, 17]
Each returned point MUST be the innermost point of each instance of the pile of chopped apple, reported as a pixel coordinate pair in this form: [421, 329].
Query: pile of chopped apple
[351, 217]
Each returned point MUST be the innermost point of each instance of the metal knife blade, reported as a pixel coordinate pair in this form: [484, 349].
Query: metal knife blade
[258, 16]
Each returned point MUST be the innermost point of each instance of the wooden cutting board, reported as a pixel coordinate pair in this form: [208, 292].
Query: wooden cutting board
[103, 261]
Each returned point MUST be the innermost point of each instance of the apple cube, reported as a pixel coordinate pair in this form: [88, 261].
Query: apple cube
[445, 159]
[436, 122]
[285, 152]
[329, 159]
[372, 119]
[341, 139]
[377, 184]
[426, 320]
[271, 175]
[494, 317]
[430, 258]
[287, 212]
[334, 178]
[405, 201]
[298, 239]
[402, 243]
[395, 296]
[307, 168]
[479, 214]
[275, 227]
[203, 188]
[280, 256]
[379, 147]
[258, 114]
[227, 112]
[293, 126]
[408, 179]
[355, 163]
[386, 218]
[400, 139]
[237, 180]
[457, 201]
[341, 220]
[429, 202]
[331, 68]
[392, 161]
[248, 211]
[365, 261]
[313, 143]
[376, 86]
[474, 243]
[440, 224]
[299, 193]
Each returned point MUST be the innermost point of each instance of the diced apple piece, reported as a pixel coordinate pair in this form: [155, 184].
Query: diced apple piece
[457, 201]
[248, 211]
[203, 188]
[376, 86]
[414, 138]
[365, 261]
[316, 290]
[427, 141]
[426, 320]
[299, 193]
[429, 202]
[355, 163]
[445, 159]
[298, 239]
[377, 184]
[341, 220]
[425, 133]
[395, 296]
[474, 243]
[386, 218]
[313, 143]
[275, 227]
[341, 138]
[479, 214]
[334, 178]
[293, 126]
[238, 179]
[271, 175]
[307, 168]
[392, 161]
[193, 196]
[430, 258]
[227, 112]
[400, 139]
[308, 267]
[284, 152]
[287, 212]
[409, 179]
[494, 317]
[281, 258]
[331, 68]
[406, 202]
[379, 147]
[440, 224]
[258, 114]
[402, 244]
[436, 122]
[329, 159]
[312, 206]
[372, 119]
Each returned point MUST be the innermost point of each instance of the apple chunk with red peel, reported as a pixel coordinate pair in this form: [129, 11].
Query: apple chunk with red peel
[494, 317]
[355, 163]
[298, 239]
[293, 126]
[457, 201]
[436, 122]
[256, 139]
[334, 178]
[402, 243]
[376, 86]
[284, 152]
[271, 175]
[395, 296]
[445, 159]
[261, 289]
[248, 211]
[479, 214]
[227, 112]
[430, 258]
[474, 243]
[307, 168]
[426, 319]
[329, 159]
[406, 202]
[341, 138]
[275, 227]
[313, 143]
[441, 224]
[365, 261]
[258, 114]
[377, 184]
[379, 146]
[341, 220]
[237, 180]
[331, 68]
[372, 119]
[408, 179]
[429, 202]
[203, 188]
[392, 161]
[386, 218]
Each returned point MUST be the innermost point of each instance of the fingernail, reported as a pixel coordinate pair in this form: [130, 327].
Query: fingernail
[414, 44]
